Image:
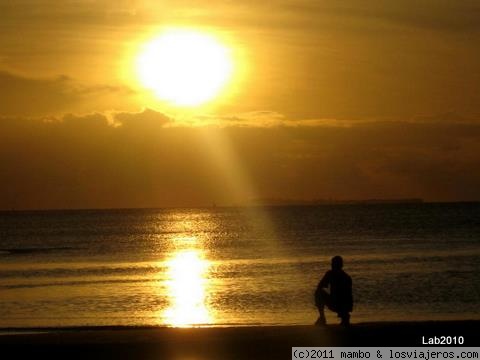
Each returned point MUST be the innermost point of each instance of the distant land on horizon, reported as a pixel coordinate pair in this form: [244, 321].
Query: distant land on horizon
[286, 202]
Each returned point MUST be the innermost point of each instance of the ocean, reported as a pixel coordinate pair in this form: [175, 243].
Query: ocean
[236, 266]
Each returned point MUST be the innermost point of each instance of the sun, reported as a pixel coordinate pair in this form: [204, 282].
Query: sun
[184, 67]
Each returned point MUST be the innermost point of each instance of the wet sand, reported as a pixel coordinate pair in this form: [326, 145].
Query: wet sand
[256, 342]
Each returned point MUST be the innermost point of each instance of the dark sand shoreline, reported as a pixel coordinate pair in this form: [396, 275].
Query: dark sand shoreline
[246, 342]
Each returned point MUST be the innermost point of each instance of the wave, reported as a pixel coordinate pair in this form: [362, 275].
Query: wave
[83, 270]
[21, 251]
[75, 283]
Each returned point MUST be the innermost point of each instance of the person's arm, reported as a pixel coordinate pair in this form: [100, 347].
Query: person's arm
[350, 294]
[325, 282]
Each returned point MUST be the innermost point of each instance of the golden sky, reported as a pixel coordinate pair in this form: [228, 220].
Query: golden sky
[330, 99]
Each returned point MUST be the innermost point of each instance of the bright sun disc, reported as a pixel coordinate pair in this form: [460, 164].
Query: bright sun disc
[184, 67]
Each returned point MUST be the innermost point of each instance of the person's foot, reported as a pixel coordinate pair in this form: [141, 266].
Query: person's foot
[345, 321]
[321, 321]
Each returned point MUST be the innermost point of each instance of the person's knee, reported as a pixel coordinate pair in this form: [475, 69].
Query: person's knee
[325, 296]
[321, 297]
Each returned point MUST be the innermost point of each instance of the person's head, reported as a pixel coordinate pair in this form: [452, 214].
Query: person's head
[337, 263]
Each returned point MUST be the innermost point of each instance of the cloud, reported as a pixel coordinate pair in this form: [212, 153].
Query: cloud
[147, 117]
[446, 117]
[72, 13]
[246, 119]
[447, 15]
[79, 161]
[21, 95]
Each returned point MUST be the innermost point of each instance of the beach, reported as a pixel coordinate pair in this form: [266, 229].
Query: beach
[253, 342]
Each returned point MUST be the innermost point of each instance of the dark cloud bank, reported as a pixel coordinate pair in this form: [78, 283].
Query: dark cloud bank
[145, 160]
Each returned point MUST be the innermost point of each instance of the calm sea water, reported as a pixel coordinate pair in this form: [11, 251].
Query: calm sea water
[230, 266]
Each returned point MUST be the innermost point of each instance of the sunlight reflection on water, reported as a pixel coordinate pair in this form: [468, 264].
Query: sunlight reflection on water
[187, 285]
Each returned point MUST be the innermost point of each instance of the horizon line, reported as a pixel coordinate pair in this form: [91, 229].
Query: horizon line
[372, 202]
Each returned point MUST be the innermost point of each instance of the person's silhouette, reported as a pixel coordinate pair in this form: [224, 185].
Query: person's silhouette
[340, 298]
